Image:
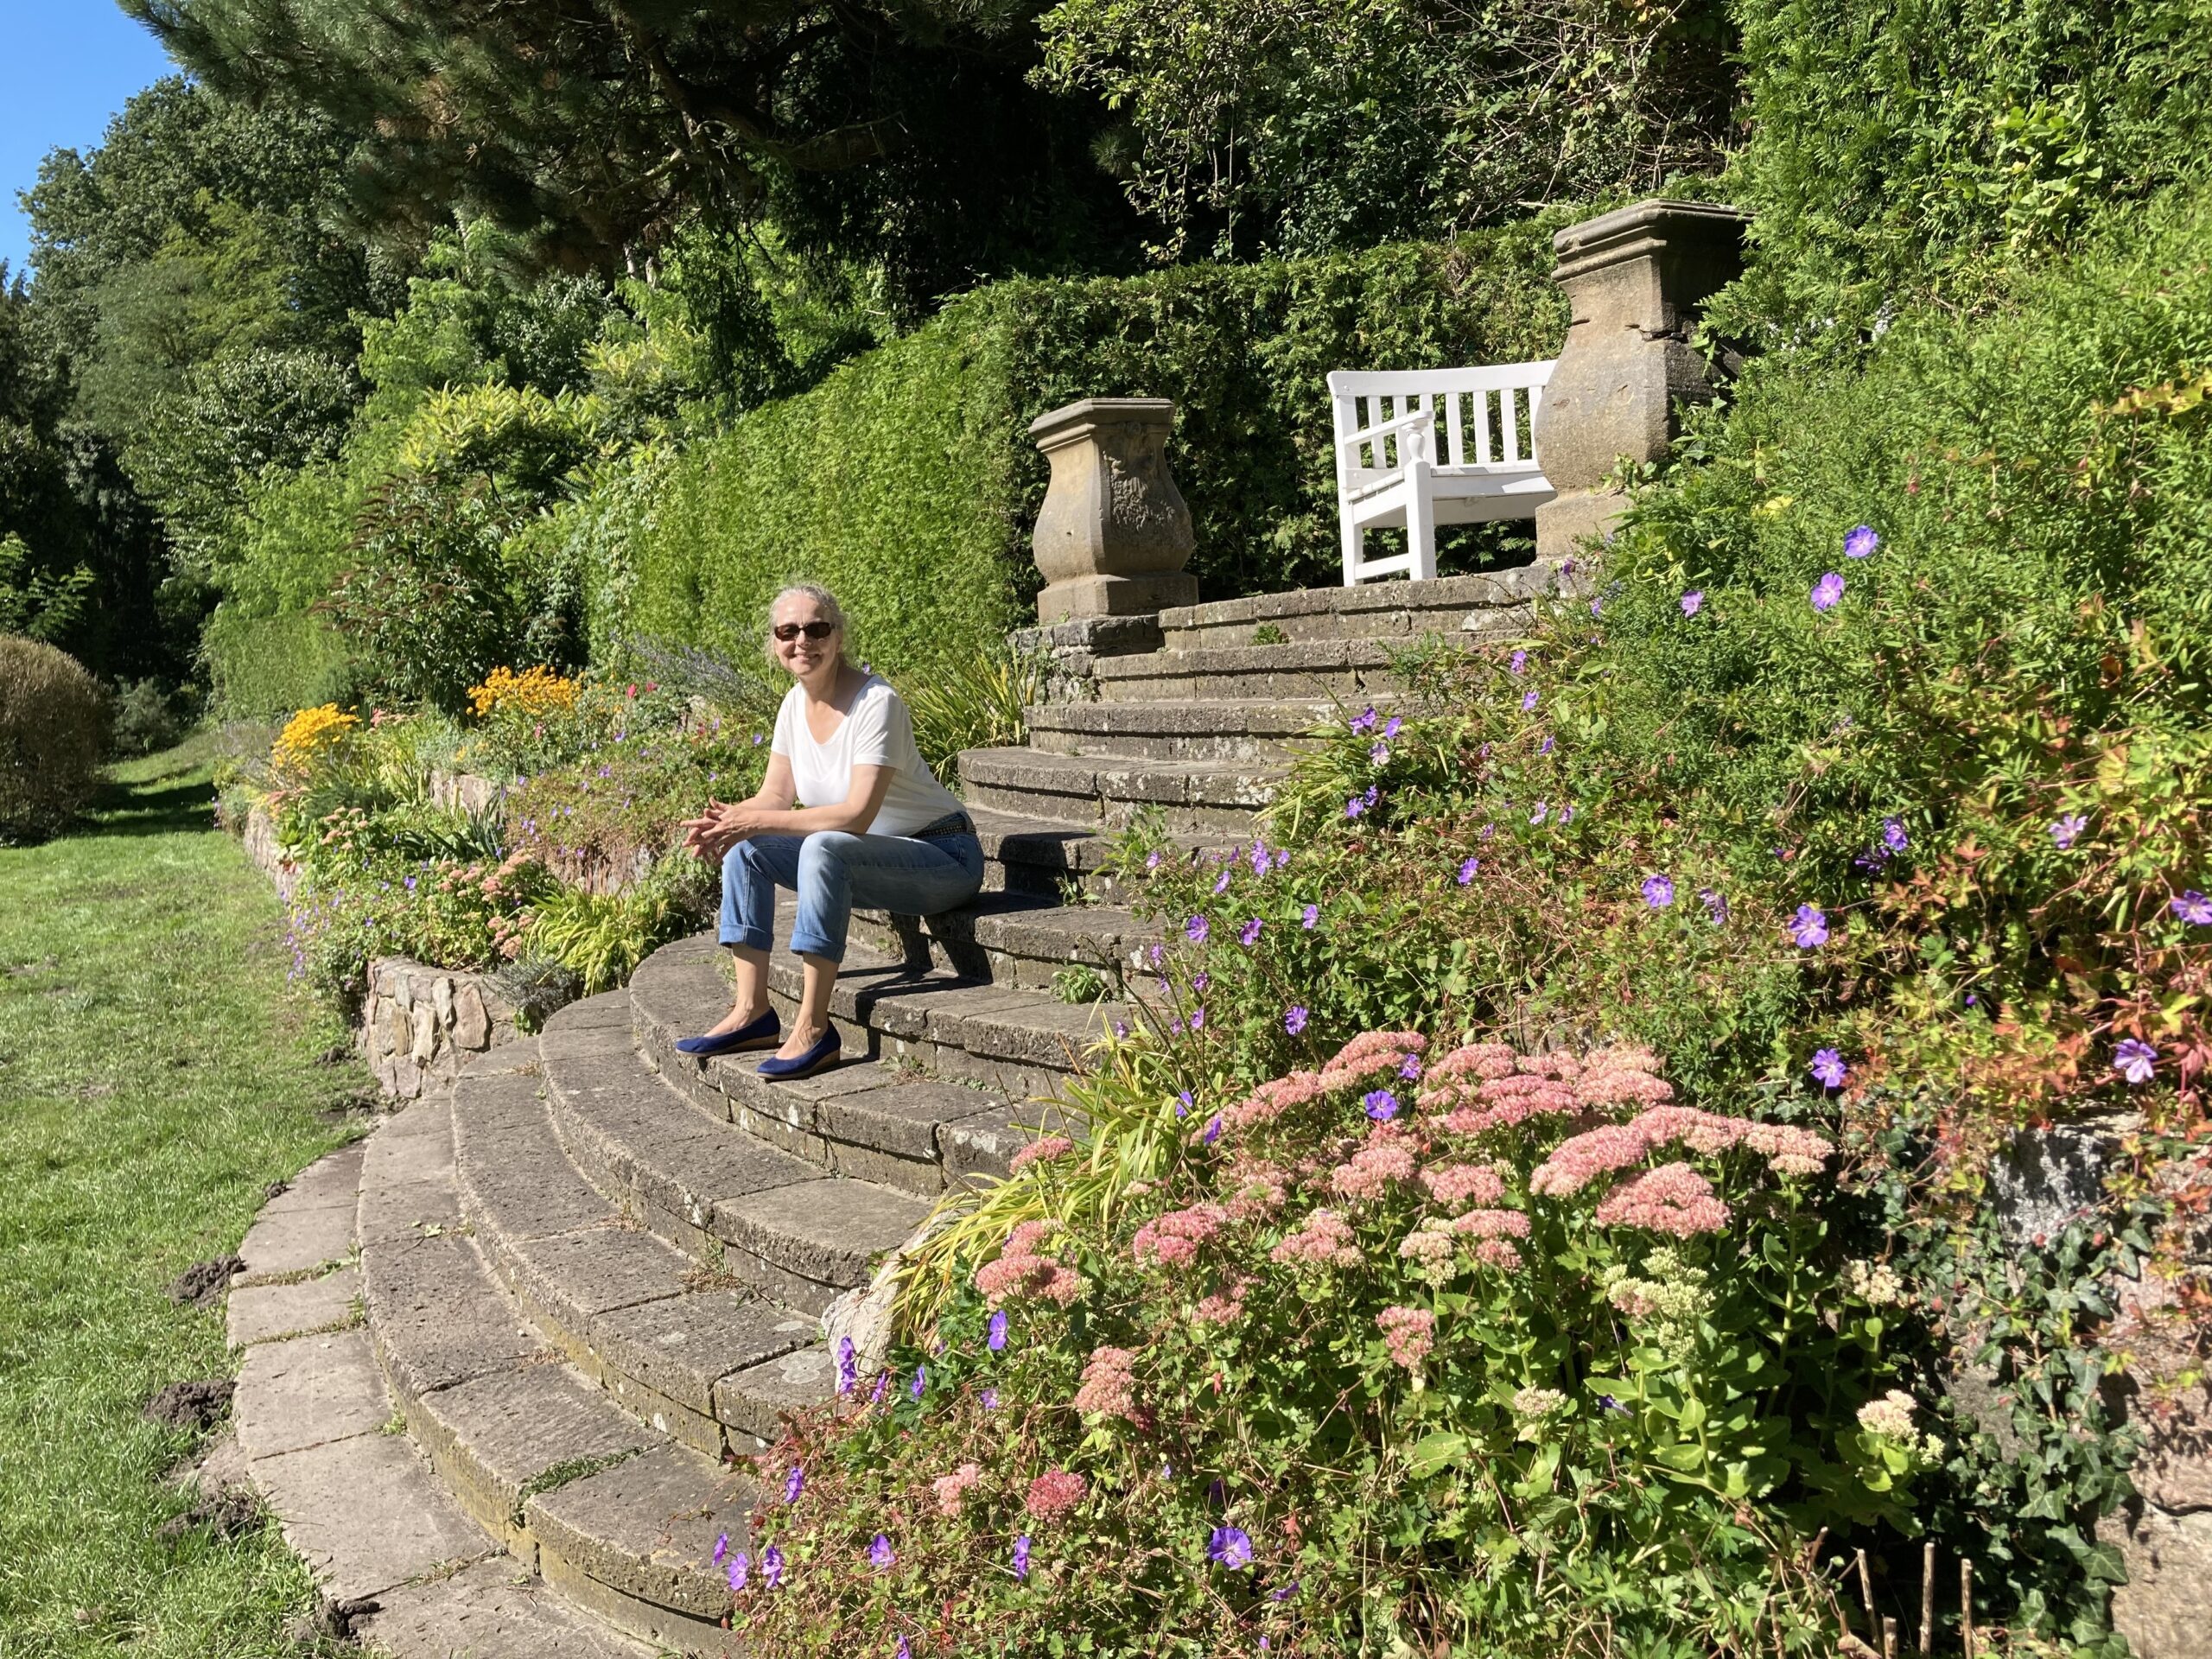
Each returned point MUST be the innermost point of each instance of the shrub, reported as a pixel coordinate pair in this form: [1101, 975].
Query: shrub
[147, 715]
[53, 725]
[1477, 1351]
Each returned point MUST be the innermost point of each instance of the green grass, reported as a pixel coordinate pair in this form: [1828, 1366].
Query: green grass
[153, 1078]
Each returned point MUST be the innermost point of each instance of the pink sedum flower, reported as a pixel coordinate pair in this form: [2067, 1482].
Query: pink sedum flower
[951, 1488]
[1054, 1493]
[1324, 1239]
[1172, 1240]
[1109, 1383]
[1673, 1198]
[1051, 1149]
[1457, 1184]
[1410, 1334]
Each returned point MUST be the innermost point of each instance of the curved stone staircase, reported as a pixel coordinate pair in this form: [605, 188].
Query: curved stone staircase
[507, 1360]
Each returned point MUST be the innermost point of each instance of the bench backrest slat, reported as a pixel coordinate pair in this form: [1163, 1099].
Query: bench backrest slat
[1498, 398]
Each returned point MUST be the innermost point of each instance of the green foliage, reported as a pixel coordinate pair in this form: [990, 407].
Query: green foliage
[146, 715]
[1923, 144]
[602, 938]
[52, 729]
[1254, 126]
[35, 603]
[979, 703]
[1455, 1376]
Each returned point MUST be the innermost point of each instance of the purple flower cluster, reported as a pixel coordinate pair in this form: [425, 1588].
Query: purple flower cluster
[1658, 892]
[2065, 830]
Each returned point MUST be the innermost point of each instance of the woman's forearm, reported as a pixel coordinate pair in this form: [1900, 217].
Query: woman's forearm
[816, 820]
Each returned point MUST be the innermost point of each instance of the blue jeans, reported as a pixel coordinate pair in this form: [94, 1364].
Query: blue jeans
[832, 871]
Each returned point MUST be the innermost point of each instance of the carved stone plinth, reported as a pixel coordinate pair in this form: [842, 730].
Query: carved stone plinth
[1115, 533]
[1635, 279]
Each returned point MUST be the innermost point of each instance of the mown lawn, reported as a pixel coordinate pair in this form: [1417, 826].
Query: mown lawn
[154, 1077]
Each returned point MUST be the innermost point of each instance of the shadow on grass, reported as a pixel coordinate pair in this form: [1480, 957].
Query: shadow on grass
[126, 810]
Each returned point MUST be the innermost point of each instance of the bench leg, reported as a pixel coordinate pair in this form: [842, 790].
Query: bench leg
[1355, 542]
[1421, 523]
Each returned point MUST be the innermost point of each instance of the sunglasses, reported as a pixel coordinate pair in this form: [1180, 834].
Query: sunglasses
[788, 631]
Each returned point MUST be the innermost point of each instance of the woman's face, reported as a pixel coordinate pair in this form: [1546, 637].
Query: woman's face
[802, 655]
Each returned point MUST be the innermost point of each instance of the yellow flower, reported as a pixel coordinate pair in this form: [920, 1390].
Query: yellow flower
[310, 736]
[532, 693]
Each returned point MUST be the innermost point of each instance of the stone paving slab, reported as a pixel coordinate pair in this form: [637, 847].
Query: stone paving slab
[682, 1347]
[438, 1316]
[495, 1610]
[332, 1181]
[367, 1514]
[594, 1270]
[515, 1175]
[295, 1242]
[608, 1009]
[751, 1401]
[827, 1231]
[492, 1437]
[307, 1392]
[271, 1313]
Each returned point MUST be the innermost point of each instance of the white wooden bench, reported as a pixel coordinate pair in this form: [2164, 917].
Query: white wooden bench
[1392, 473]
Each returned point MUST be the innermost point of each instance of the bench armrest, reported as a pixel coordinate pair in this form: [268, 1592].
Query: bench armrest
[1421, 420]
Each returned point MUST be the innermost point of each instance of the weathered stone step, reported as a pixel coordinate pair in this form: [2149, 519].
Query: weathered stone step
[1227, 730]
[1018, 939]
[864, 1118]
[1320, 669]
[713, 1365]
[1196, 796]
[1384, 610]
[618, 1518]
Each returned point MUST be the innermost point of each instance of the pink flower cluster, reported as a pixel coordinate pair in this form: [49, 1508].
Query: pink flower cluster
[1109, 1383]
[1324, 1239]
[1255, 1190]
[1050, 1149]
[1456, 1184]
[1499, 1103]
[1477, 1060]
[1498, 1253]
[1581, 1159]
[952, 1488]
[1672, 1198]
[1491, 1223]
[1054, 1493]
[1173, 1239]
[1387, 1157]
[1370, 1053]
[1019, 1271]
[1271, 1100]
[1409, 1333]
[1223, 1307]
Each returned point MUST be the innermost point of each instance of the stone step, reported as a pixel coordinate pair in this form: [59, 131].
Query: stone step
[1321, 669]
[1377, 610]
[1257, 731]
[613, 1515]
[690, 1349]
[1018, 939]
[1216, 798]
[867, 1118]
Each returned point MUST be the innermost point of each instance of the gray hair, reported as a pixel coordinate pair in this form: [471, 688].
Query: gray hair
[831, 610]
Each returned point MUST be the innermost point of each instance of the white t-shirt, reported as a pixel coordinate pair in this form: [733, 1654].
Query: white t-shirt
[878, 732]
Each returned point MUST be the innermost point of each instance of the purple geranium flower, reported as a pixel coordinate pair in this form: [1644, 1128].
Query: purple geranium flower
[1893, 835]
[1694, 601]
[1354, 807]
[2194, 908]
[1259, 858]
[794, 1482]
[1196, 930]
[902, 1651]
[722, 1548]
[1809, 926]
[1363, 722]
[2063, 832]
[1379, 754]
[1395, 726]
[1828, 1067]
[1197, 1019]
[1520, 662]
[1528, 700]
[1214, 1131]
[1715, 906]
[882, 1388]
[1022, 1556]
[921, 1382]
[1381, 1105]
[1467, 868]
[1658, 892]
[772, 1567]
[1294, 1020]
[1860, 542]
[849, 1368]
[740, 1570]
[2135, 1060]
[1222, 885]
[990, 1398]
[997, 1337]
[1229, 1547]
[1311, 916]
[880, 1553]
[1183, 1103]
[1410, 1068]
[1826, 591]
[1537, 816]
[1249, 935]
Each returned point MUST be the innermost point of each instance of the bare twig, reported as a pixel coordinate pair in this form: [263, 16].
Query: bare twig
[1928, 1597]
[1867, 1596]
[1965, 1604]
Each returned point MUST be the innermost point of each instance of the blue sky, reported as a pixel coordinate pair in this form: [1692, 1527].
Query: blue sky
[68, 66]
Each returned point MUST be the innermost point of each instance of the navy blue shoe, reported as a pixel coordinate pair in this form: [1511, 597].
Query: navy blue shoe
[824, 1052]
[766, 1031]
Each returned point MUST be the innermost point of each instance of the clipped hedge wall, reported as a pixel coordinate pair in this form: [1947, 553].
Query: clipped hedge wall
[908, 482]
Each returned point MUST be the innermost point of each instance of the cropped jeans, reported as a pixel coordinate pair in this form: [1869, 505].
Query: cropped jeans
[832, 871]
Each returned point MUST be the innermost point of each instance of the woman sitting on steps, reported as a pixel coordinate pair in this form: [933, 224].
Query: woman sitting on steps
[886, 835]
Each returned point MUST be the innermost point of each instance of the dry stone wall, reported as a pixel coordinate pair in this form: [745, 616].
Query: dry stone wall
[420, 1024]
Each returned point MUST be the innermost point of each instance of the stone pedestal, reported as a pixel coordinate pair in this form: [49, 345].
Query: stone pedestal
[1635, 280]
[1115, 533]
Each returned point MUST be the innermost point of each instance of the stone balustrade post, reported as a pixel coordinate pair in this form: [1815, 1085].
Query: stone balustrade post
[1635, 279]
[1115, 533]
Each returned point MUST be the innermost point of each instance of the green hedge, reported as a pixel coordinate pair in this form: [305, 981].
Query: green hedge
[907, 480]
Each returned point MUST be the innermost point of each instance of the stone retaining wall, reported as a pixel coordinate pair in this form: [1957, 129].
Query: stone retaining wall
[259, 839]
[419, 1024]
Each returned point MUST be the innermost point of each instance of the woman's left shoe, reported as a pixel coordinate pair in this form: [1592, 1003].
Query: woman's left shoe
[766, 1031]
[825, 1053]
